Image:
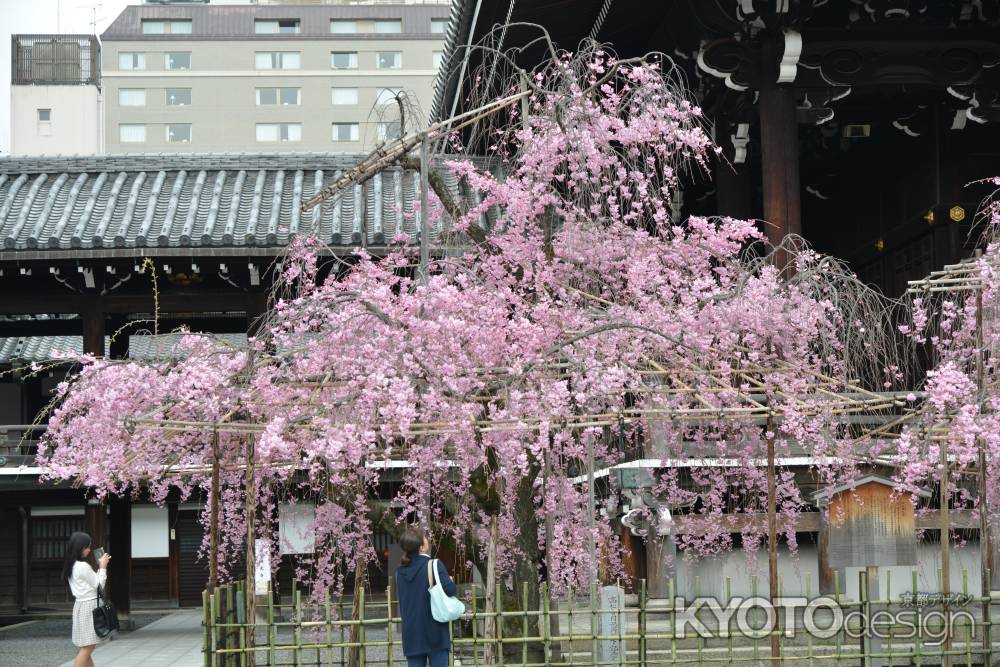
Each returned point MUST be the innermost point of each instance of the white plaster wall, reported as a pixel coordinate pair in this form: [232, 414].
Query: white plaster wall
[75, 126]
[709, 576]
[150, 532]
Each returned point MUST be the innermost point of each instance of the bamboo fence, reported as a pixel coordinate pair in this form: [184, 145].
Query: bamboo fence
[645, 632]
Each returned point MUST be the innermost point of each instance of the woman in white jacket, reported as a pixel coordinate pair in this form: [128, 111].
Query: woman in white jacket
[83, 582]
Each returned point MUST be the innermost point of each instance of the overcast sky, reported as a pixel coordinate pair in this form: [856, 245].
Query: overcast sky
[46, 16]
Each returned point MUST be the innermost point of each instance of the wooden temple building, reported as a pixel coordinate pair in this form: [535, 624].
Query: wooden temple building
[856, 124]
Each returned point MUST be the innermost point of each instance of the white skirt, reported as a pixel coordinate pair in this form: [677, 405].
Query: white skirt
[83, 623]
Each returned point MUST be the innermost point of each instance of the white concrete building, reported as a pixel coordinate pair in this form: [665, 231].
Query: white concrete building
[55, 95]
[209, 78]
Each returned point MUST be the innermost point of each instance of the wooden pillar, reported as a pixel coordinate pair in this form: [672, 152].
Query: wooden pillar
[256, 309]
[93, 327]
[779, 139]
[120, 548]
[23, 565]
[825, 571]
[733, 191]
[95, 522]
[174, 558]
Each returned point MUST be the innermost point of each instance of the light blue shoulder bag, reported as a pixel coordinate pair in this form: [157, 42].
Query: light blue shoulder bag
[444, 609]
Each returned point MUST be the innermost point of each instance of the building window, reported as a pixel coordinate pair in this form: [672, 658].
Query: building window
[390, 26]
[279, 131]
[178, 133]
[278, 59]
[180, 60]
[132, 134]
[178, 97]
[344, 60]
[273, 26]
[437, 59]
[439, 26]
[44, 115]
[283, 96]
[343, 27]
[345, 95]
[132, 97]
[389, 59]
[390, 131]
[170, 27]
[131, 60]
[345, 132]
[387, 95]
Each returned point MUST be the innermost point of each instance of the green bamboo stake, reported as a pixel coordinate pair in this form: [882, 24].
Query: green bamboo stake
[570, 600]
[642, 623]
[756, 640]
[593, 623]
[388, 625]
[888, 598]
[968, 637]
[673, 621]
[329, 629]
[498, 611]
[340, 628]
[361, 626]
[213, 614]
[297, 627]
[866, 610]
[918, 644]
[207, 623]
[524, 622]
[729, 635]
[700, 641]
[227, 620]
[271, 638]
[241, 630]
[836, 598]
[475, 648]
[543, 622]
[809, 639]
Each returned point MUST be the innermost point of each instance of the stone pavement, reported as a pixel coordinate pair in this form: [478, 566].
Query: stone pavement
[172, 641]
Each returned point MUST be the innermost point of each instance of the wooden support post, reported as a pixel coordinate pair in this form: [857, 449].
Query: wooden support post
[823, 547]
[985, 537]
[733, 196]
[492, 652]
[772, 541]
[95, 522]
[213, 527]
[779, 138]
[24, 563]
[945, 550]
[120, 548]
[251, 576]
[92, 319]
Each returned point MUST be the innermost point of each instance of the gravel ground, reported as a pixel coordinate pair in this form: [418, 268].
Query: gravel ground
[46, 643]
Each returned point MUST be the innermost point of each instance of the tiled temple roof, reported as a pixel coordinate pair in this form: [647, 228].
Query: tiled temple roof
[199, 200]
[41, 349]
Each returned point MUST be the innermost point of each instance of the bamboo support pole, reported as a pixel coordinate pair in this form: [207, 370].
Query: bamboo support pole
[251, 557]
[772, 541]
[213, 549]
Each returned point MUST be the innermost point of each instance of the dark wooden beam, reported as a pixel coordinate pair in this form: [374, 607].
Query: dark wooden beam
[93, 320]
[95, 522]
[779, 138]
[179, 301]
[120, 548]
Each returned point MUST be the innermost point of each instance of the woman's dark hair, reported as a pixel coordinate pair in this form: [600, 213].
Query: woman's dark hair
[74, 552]
[410, 542]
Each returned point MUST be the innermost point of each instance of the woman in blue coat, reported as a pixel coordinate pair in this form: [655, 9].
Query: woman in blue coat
[424, 639]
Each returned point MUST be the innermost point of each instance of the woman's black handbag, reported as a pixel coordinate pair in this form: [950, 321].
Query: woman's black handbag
[105, 616]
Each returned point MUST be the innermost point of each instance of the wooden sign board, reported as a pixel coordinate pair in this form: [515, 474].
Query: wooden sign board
[870, 525]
